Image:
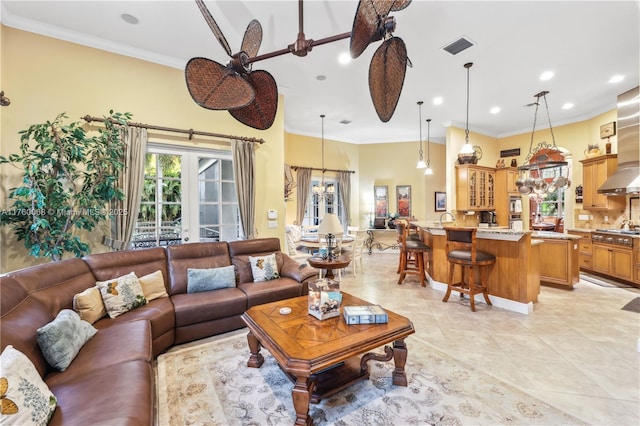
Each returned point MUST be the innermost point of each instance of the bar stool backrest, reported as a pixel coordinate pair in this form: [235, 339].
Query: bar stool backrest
[461, 239]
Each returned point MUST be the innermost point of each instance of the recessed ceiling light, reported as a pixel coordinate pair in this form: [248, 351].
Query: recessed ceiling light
[344, 58]
[494, 110]
[547, 75]
[437, 100]
[567, 105]
[129, 19]
[321, 77]
[616, 78]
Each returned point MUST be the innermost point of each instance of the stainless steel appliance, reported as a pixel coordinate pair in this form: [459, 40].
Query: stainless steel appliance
[618, 237]
[488, 218]
[626, 179]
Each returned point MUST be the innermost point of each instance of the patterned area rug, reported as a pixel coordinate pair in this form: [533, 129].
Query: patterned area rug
[210, 384]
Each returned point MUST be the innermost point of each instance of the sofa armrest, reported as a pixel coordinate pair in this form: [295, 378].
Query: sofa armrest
[296, 271]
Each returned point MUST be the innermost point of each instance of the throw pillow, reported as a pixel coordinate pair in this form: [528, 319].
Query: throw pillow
[61, 339]
[293, 234]
[89, 305]
[264, 268]
[26, 398]
[153, 286]
[121, 294]
[210, 279]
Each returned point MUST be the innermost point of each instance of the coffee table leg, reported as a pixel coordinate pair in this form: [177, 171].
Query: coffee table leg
[399, 359]
[256, 359]
[301, 394]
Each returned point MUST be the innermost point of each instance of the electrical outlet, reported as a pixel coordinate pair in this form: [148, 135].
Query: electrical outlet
[606, 218]
[583, 217]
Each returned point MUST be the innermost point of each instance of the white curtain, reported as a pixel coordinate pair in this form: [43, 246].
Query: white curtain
[304, 183]
[344, 181]
[244, 171]
[131, 182]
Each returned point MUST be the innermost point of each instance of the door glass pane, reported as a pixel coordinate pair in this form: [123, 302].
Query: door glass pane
[209, 191]
[227, 170]
[228, 192]
[209, 214]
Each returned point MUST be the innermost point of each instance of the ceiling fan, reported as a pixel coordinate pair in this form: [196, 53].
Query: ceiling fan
[251, 97]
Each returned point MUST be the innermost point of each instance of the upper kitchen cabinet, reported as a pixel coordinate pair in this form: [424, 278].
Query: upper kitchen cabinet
[594, 172]
[475, 188]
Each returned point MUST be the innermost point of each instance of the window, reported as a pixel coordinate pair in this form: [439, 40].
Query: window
[317, 206]
[187, 196]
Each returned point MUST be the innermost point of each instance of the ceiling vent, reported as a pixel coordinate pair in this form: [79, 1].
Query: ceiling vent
[345, 121]
[458, 46]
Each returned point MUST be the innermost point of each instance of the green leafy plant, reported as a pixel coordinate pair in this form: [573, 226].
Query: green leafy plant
[69, 178]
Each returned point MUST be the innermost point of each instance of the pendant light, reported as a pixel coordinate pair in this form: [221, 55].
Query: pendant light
[421, 163]
[322, 190]
[428, 170]
[467, 148]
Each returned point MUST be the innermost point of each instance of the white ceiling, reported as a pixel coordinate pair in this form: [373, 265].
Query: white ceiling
[584, 43]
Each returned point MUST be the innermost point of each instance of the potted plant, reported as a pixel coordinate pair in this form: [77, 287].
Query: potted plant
[69, 178]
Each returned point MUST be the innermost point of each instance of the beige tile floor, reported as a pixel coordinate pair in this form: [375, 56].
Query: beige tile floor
[576, 351]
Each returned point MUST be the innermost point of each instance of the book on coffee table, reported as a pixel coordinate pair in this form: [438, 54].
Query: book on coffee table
[367, 314]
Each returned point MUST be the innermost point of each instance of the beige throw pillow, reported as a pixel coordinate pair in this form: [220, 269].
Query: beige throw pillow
[121, 294]
[89, 305]
[153, 286]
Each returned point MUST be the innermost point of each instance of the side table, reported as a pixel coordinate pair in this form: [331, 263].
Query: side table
[340, 262]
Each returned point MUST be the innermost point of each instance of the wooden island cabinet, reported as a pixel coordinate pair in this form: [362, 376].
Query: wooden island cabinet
[513, 281]
[559, 258]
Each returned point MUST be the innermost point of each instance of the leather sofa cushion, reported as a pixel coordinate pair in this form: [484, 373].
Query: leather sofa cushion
[241, 250]
[122, 395]
[270, 291]
[158, 312]
[54, 284]
[208, 305]
[110, 347]
[21, 317]
[107, 266]
[197, 256]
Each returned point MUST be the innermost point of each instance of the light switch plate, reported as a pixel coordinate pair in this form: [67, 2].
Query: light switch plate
[273, 224]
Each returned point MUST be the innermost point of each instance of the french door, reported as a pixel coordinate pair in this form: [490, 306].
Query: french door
[188, 196]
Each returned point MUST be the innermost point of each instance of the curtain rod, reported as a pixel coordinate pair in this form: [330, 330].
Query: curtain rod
[190, 132]
[322, 170]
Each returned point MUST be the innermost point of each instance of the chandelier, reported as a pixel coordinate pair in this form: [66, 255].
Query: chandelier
[323, 191]
[544, 168]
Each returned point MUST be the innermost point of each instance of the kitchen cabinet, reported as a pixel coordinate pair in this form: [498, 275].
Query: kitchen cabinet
[594, 172]
[636, 260]
[475, 188]
[613, 260]
[505, 191]
[585, 253]
[559, 261]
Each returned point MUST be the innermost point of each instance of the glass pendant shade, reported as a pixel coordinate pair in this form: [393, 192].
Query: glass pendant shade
[421, 164]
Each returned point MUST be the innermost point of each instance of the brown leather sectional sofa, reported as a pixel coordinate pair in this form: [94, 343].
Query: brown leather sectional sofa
[111, 381]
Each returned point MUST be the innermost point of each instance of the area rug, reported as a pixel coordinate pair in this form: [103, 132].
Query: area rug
[210, 384]
[633, 305]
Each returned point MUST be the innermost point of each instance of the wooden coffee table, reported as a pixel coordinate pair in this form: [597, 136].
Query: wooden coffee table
[323, 357]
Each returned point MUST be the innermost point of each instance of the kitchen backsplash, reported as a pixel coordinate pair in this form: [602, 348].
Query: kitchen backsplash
[608, 219]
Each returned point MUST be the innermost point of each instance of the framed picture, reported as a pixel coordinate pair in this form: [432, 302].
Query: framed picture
[403, 198]
[381, 201]
[441, 201]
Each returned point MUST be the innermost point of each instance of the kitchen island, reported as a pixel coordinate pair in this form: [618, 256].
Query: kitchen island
[513, 281]
[559, 262]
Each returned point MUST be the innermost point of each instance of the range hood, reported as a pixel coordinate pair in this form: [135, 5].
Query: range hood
[626, 180]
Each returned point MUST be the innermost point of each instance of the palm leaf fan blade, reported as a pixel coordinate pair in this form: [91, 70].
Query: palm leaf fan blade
[386, 76]
[260, 113]
[214, 86]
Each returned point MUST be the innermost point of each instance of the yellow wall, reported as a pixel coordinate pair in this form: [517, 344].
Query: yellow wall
[44, 77]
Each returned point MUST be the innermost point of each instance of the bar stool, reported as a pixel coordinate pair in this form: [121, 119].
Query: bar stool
[411, 256]
[461, 250]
